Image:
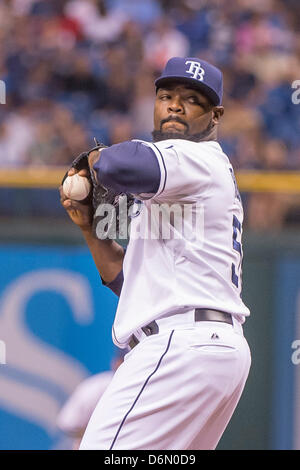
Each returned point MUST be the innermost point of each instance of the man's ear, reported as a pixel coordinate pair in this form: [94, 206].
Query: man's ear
[218, 112]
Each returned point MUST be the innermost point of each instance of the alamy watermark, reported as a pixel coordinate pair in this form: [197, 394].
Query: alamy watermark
[2, 92]
[296, 93]
[161, 221]
[296, 354]
[2, 352]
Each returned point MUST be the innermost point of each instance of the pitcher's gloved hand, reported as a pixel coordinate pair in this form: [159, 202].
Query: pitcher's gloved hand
[105, 203]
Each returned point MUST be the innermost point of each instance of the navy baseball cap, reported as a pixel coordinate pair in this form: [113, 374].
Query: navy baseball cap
[196, 72]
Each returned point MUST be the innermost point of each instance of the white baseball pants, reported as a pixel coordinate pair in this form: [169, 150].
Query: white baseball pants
[176, 390]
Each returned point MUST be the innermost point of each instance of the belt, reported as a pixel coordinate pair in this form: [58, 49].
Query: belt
[200, 314]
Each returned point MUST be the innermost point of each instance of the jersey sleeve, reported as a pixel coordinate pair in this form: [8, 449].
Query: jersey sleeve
[184, 172]
[129, 167]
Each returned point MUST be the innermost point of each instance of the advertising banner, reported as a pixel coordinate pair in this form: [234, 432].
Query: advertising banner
[55, 330]
[286, 387]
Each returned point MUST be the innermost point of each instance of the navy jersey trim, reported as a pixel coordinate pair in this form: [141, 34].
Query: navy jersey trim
[115, 337]
[165, 168]
[141, 391]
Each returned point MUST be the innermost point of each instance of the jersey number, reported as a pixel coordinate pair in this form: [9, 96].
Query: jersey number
[237, 247]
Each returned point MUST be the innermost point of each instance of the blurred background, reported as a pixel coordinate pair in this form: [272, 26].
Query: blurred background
[78, 69]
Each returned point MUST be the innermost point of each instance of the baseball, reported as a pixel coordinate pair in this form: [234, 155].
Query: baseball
[76, 187]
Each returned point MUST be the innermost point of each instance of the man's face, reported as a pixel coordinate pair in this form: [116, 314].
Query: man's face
[181, 110]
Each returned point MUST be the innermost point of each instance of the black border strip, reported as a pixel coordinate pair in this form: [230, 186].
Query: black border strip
[140, 392]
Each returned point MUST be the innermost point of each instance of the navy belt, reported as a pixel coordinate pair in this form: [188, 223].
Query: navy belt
[201, 314]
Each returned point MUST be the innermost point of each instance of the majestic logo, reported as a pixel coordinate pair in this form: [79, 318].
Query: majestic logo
[195, 70]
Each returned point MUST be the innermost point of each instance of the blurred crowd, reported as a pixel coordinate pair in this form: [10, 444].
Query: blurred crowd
[79, 69]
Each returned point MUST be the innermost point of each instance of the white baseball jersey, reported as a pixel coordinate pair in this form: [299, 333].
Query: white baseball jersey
[185, 241]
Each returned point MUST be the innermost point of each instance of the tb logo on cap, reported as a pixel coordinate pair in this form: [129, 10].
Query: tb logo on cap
[196, 70]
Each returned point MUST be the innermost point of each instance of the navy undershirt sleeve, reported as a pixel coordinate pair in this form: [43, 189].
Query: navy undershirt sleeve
[130, 167]
[116, 284]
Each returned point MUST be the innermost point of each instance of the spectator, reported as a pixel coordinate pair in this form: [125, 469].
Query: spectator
[17, 133]
[164, 42]
[75, 68]
[97, 22]
[76, 412]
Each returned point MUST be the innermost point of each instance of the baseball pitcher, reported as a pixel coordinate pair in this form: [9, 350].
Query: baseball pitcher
[179, 282]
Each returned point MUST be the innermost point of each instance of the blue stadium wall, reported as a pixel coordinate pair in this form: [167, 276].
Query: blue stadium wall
[56, 318]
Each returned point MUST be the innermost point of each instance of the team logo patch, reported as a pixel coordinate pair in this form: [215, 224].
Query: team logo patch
[195, 70]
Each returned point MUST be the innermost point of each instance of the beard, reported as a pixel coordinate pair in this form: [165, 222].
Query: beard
[161, 135]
